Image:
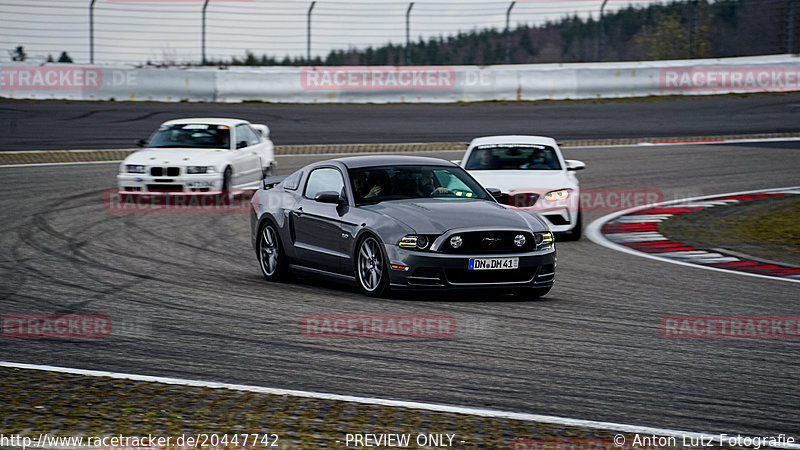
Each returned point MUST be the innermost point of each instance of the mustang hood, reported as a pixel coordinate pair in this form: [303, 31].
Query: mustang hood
[177, 156]
[506, 180]
[435, 216]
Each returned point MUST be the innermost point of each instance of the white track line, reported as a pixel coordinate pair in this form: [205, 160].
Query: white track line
[555, 420]
[595, 235]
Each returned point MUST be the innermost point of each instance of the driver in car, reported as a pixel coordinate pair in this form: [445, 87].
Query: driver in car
[427, 186]
[538, 161]
[362, 189]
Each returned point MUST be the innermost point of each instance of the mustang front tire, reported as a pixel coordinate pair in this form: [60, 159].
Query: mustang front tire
[271, 257]
[372, 274]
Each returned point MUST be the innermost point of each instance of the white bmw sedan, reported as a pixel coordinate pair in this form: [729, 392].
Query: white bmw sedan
[532, 175]
[200, 155]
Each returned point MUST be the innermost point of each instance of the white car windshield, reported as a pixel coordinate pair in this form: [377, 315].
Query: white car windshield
[193, 135]
[513, 157]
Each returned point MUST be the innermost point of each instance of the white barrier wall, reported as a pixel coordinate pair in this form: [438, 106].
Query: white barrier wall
[403, 84]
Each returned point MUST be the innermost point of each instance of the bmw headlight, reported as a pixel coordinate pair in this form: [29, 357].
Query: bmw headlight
[199, 169]
[414, 242]
[561, 194]
[132, 168]
[544, 241]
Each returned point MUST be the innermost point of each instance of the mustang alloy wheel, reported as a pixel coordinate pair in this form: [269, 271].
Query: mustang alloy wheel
[270, 254]
[371, 272]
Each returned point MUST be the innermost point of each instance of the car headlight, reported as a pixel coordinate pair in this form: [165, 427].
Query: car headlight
[520, 240]
[456, 241]
[199, 169]
[544, 241]
[561, 194]
[414, 241]
[132, 168]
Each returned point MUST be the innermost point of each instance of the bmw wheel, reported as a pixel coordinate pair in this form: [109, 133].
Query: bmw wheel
[576, 232]
[226, 181]
[371, 272]
[270, 253]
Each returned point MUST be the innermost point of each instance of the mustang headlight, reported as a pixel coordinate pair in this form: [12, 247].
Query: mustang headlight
[199, 169]
[132, 168]
[520, 240]
[561, 194]
[414, 241]
[456, 241]
[544, 241]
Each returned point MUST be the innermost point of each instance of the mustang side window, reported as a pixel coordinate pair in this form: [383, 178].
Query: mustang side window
[292, 181]
[322, 180]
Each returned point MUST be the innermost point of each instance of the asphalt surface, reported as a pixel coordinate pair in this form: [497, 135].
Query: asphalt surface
[187, 299]
[47, 125]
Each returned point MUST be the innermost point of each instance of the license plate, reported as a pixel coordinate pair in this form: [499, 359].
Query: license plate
[493, 263]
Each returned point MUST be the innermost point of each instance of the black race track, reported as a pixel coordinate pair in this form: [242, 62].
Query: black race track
[187, 294]
[43, 125]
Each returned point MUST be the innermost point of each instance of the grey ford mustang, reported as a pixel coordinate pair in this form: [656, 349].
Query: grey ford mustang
[394, 222]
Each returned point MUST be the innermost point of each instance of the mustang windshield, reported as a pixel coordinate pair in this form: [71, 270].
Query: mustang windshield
[513, 157]
[193, 135]
[377, 184]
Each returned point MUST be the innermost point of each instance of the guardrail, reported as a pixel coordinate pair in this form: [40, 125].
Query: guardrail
[403, 84]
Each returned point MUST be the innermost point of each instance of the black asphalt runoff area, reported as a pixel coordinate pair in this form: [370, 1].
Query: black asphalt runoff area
[50, 125]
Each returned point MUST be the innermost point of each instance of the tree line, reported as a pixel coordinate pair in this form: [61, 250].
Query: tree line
[677, 30]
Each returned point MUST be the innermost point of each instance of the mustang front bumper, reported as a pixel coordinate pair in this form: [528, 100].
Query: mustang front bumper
[433, 270]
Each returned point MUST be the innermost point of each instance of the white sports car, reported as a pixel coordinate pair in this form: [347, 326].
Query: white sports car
[532, 175]
[200, 155]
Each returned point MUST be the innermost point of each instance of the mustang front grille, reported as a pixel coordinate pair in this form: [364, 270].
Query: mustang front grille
[478, 242]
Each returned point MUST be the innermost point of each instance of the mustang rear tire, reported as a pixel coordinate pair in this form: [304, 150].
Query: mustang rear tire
[372, 274]
[271, 257]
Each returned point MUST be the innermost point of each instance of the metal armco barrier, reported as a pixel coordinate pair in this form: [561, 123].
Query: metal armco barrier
[403, 84]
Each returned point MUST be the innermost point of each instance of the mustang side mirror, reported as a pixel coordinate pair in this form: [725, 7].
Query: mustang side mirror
[574, 164]
[495, 193]
[141, 143]
[329, 197]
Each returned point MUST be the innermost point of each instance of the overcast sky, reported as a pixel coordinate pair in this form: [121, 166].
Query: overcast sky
[137, 31]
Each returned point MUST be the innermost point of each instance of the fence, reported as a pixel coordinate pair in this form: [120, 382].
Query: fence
[175, 32]
[409, 84]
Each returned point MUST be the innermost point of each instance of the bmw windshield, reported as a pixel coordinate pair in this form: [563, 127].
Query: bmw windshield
[194, 135]
[377, 184]
[513, 157]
